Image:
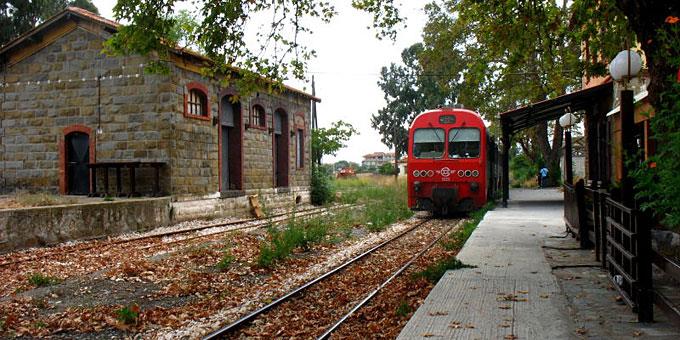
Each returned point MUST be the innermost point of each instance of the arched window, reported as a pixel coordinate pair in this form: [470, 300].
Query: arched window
[196, 101]
[259, 116]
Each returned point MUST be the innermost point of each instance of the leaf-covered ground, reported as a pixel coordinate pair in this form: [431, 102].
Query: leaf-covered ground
[157, 289]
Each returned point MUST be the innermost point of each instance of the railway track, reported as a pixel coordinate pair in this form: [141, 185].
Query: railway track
[239, 325]
[157, 239]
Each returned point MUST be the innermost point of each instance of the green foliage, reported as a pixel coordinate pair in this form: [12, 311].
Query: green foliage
[435, 271]
[19, 16]
[226, 260]
[40, 280]
[404, 309]
[129, 315]
[387, 169]
[523, 170]
[408, 92]
[322, 190]
[327, 141]
[658, 185]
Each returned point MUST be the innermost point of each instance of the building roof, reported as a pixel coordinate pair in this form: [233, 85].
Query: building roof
[378, 154]
[550, 109]
[112, 27]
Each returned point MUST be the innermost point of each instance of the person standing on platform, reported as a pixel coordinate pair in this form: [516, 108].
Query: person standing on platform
[544, 177]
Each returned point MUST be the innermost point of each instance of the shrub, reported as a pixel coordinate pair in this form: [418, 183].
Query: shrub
[40, 280]
[322, 191]
[129, 314]
[297, 234]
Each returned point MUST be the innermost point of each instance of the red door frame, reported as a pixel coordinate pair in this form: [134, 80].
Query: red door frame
[63, 180]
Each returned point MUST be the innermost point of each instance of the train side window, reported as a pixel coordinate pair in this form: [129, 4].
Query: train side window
[464, 143]
[428, 143]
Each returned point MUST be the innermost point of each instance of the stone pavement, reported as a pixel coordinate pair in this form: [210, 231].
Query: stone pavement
[514, 293]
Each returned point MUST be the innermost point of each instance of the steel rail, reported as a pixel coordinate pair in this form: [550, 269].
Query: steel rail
[174, 232]
[261, 223]
[246, 319]
[372, 294]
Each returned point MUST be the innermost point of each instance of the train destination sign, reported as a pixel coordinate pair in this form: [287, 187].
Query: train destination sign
[447, 119]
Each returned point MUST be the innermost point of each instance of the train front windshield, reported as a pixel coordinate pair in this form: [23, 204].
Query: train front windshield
[428, 143]
[464, 143]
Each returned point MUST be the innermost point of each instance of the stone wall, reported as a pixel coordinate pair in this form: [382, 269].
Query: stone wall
[135, 111]
[30, 227]
[142, 119]
[270, 199]
[195, 146]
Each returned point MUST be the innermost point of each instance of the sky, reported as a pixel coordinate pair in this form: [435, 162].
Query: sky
[347, 69]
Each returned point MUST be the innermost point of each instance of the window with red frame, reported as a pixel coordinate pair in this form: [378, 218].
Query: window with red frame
[259, 116]
[197, 103]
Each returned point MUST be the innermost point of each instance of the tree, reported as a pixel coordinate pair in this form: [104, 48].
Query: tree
[408, 92]
[19, 16]
[279, 51]
[327, 141]
[515, 53]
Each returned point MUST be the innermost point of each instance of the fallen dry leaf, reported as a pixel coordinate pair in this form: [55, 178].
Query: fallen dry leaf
[637, 333]
[427, 335]
[437, 313]
[455, 325]
[510, 337]
[581, 331]
[504, 306]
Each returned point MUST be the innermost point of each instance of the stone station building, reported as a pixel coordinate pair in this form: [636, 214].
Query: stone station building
[66, 105]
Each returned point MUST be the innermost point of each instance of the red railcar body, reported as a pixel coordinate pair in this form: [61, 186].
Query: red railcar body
[451, 161]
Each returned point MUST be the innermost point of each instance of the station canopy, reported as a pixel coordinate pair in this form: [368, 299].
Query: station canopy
[551, 109]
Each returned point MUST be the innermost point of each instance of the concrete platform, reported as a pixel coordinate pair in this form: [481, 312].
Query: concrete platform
[513, 293]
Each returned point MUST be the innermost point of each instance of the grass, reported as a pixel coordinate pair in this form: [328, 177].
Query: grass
[403, 309]
[435, 271]
[384, 202]
[226, 260]
[40, 280]
[455, 241]
[384, 199]
[39, 199]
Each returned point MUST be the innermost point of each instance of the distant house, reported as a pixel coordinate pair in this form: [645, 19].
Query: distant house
[377, 159]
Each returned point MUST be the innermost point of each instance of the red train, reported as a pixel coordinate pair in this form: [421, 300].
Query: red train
[452, 162]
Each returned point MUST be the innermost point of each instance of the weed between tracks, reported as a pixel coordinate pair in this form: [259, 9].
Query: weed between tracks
[384, 203]
[455, 241]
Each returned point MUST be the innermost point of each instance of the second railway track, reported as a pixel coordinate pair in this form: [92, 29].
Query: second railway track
[156, 239]
[318, 307]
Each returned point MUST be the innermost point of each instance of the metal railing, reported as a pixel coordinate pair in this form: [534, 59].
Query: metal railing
[628, 256]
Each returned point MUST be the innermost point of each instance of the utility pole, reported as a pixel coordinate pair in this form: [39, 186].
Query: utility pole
[315, 123]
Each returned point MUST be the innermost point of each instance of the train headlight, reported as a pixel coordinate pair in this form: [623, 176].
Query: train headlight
[430, 173]
[416, 173]
[468, 173]
[416, 186]
[423, 173]
[475, 173]
[474, 186]
[461, 173]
